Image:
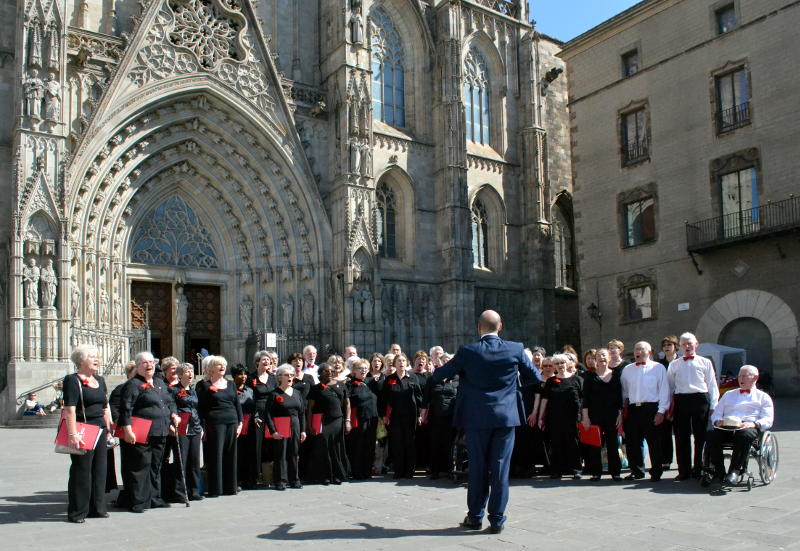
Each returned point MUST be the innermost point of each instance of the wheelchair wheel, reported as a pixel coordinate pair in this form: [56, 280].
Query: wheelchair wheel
[768, 458]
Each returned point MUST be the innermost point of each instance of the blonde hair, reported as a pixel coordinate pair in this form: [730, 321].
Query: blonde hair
[81, 352]
[209, 362]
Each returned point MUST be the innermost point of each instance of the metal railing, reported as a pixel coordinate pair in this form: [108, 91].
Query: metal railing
[770, 219]
[635, 151]
[733, 117]
[506, 7]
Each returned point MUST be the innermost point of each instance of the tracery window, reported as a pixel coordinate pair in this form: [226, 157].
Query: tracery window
[388, 75]
[172, 235]
[476, 97]
[387, 221]
[563, 242]
[480, 235]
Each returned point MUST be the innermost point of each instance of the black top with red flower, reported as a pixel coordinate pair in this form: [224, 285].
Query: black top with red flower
[94, 399]
[261, 392]
[564, 396]
[186, 402]
[280, 404]
[149, 401]
[328, 400]
[362, 398]
[218, 406]
[404, 396]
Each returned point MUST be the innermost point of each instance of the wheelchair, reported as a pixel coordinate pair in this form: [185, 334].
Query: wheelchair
[764, 451]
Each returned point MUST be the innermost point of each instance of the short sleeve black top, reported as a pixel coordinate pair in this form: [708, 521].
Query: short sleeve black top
[440, 397]
[602, 399]
[362, 399]
[261, 391]
[404, 396]
[304, 385]
[246, 399]
[328, 400]
[218, 406]
[280, 404]
[94, 399]
[563, 397]
[148, 401]
[186, 402]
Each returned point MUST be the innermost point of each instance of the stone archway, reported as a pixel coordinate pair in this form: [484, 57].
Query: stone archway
[775, 314]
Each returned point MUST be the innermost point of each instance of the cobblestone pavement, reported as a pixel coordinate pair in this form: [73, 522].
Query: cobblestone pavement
[382, 514]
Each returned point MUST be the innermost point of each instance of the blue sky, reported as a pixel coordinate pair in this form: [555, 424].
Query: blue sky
[566, 19]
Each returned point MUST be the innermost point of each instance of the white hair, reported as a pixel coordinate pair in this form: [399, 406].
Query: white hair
[209, 361]
[350, 361]
[81, 352]
[260, 354]
[751, 368]
[285, 369]
[560, 358]
[434, 349]
[309, 348]
[143, 356]
[688, 336]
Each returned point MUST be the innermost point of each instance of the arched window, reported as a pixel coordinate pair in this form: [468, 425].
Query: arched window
[476, 97]
[388, 76]
[480, 235]
[387, 221]
[562, 241]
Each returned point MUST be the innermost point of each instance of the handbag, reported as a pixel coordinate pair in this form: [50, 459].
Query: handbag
[80, 428]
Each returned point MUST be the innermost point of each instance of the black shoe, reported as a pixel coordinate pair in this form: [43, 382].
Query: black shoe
[616, 477]
[76, 520]
[655, 477]
[160, 505]
[576, 476]
[280, 486]
[98, 515]
[682, 477]
[326, 482]
[297, 485]
[136, 510]
[469, 525]
[212, 495]
[634, 476]
[336, 481]
[596, 477]
[495, 529]
[733, 479]
[195, 498]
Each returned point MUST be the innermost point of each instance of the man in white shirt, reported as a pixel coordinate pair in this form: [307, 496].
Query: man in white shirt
[350, 351]
[309, 360]
[756, 413]
[693, 383]
[645, 392]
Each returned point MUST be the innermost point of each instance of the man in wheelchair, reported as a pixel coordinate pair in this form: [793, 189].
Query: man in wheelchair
[739, 418]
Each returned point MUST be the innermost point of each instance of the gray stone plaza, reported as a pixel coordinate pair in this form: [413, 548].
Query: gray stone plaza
[382, 514]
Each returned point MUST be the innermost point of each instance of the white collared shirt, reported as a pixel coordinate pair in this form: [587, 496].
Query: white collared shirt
[313, 371]
[693, 376]
[755, 407]
[646, 383]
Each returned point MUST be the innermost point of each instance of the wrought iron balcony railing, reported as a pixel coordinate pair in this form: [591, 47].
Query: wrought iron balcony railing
[746, 225]
[635, 151]
[733, 117]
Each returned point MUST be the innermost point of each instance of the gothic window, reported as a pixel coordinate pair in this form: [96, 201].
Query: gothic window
[388, 75]
[476, 97]
[480, 234]
[172, 235]
[638, 297]
[562, 239]
[387, 221]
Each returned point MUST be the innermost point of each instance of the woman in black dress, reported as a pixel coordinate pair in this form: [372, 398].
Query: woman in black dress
[85, 402]
[376, 366]
[401, 404]
[302, 382]
[560, 409]
[114, 400]
[262, 383]
[147, 398]
[190, 432]
[364, 422]
[439, 400]
[221, 416]
[329, 399]
[286, 401]
[246, 442]
[602, 406]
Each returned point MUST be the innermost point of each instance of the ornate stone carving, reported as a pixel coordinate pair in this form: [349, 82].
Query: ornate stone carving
[308, 311]
[212, 33]
[104, 306]
[75, 301]
[49, 284]
[30, 283]
[267, 312]
[287, 313]
[33, 90]
[52, 100]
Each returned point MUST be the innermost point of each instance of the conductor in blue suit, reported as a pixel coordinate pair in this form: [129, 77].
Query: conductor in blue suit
[488, 407]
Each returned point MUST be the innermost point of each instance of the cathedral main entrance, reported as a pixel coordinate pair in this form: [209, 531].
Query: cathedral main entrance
[183, 321]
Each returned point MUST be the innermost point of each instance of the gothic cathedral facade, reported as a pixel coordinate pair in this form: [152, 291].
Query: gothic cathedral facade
[203, 172]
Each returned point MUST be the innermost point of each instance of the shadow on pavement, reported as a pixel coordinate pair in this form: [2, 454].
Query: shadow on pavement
[366, 532]
[39, 507]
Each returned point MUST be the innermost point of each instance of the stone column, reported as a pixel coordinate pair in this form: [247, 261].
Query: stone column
[33, 344]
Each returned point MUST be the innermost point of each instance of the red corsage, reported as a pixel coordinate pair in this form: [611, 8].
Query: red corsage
[84, 382]
[212, 388]
[255, 383]
[392, 381]
[324, 387]
[145, 386]
[556, 380]
[183, 393]
[238, 392]
[280, 399]
[356, 382]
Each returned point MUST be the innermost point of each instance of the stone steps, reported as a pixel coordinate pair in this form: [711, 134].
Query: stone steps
[36, 422]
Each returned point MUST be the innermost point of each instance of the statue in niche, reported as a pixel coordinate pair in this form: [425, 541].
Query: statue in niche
[52, 99]
[368, 304]
[287, 309]
[89, 301]
[266, 312]
[363, 305]
[75, 299]
[35, 41]
[356, 28]
[355, 157]
[33, 89]
[52, 47]
[366, 161]
[104, 311]
[30, 283]
[181, 307]
[352, 117]
[386, 303]
[117, 304]
[355, 5]
[49, 284]
[308, 311]
[246, 315]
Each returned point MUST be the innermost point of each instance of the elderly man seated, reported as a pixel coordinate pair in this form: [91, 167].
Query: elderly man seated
[740, 416]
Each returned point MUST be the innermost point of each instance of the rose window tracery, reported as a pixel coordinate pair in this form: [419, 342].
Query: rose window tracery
[209, 30]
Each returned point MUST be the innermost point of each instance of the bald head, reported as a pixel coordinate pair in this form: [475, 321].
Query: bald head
[489, 322]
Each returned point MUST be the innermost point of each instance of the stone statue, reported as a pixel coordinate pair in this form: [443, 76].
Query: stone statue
[357, 28]
[104, 312]
[30, 284]
[368, 304]
[89, 301]
[117, 311]
[355, 157]
[352, 118]
[52, 47]
[266, 312]
[33, 89]
[52, 99]
[366, 161]
[246, 315]
[308, 311]
[35, 41]
[181, 307]
[287, 309]
[49, 284]
[75, 299]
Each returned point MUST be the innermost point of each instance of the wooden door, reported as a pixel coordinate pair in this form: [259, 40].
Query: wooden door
[203, 320]
[155, 299]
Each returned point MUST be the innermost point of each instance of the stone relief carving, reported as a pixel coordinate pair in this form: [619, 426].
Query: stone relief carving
[90, 301]
[52, 47]
[75, 300]
[104, 306]
[308, 311]
[33, 90]
[246, 315]
[266, 312]
[30, 283]
[52, 99]
[35, 43]
[287, 312]
[363, 304]
[49, 284]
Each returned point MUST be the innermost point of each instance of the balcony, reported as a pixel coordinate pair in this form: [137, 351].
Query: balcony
[748, 225]
[733, 117]
[635, 152]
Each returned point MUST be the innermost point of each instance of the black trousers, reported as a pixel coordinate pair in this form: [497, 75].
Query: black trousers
[565, 455]
[361, 448]
[742, 440]
[328, 460]
[246, 455]
[638, 428]
[690, 418]
[285, 453]
[142, 472]
[442, 435]
[86, 488]
[170, 476]
[219, 452]
[609, 435]
[666, 442]
[402, 446]
[190, 453]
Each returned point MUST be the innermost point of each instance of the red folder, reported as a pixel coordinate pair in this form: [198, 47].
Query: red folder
[388, 414]
[88, 433]
[141, 428]
[353, 418]
[590, 436]
[184, 424]
[316, 423]
[283, 425]
[245, 424]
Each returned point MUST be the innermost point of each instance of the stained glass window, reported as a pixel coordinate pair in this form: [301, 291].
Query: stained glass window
[388, 76]
[172, 235]
[476, 97]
